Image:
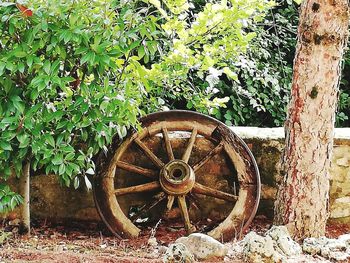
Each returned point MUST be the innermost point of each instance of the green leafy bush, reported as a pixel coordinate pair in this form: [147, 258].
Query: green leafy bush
[254, 90]
[260, 95]
[205, 41]
[8, 199]
[73, 74]
[343, 114]
[70, 80]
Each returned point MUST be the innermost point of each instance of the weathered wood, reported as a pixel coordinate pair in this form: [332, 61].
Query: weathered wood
[137, 169]
[168, 147]
[210, 155]
[113, 212]
[170, 202]
[181, 200]
[138, 188]
[205, 190]
[191, 141]
[149, 153]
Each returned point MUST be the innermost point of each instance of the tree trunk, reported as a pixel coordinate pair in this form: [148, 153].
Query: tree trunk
[302, 198]
[24, 182]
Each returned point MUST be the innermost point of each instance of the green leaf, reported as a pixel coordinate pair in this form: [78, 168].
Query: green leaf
[19, 105]
[19, 54]
[21, 67]
[74, 167]
[55, 67]
[62, 124]
[134, 44]
[76, 182]
[2, 67]
[141, 51]
[47, 67]
[25, 143]
[89, 57]
[146, 58]
[228, 116]
[13, 203]
[30, 61]
[61, 169]
[44, 25]
[23, 139]
[47, 153]
[81, 158]
[50, 140]
[23, 150]
[32, 110]
[69, 156]
[66, 180]
[10, 66]
[5, 146]
[57, 160]
[7, 172]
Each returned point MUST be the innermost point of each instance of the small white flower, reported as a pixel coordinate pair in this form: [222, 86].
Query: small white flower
[120, 97]
[215, 72]
[50, 106]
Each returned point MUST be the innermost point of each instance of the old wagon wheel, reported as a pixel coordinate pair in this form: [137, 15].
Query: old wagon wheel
[180, 161]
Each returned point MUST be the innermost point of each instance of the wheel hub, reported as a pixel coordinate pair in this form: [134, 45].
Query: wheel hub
[177, 178]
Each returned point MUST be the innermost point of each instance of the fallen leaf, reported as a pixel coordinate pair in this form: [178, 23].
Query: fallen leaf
[25, 10]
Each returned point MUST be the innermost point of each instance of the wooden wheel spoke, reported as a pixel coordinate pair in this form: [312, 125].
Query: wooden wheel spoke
[138, 188]
[210, 155]
[137, 169]
[205, 190]
[181, 200]
[170, 203]
[168, 147]
[187, 153]
[194, 201]
[149, 153]
[148, 206]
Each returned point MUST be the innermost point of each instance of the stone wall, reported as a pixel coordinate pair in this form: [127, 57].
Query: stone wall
[51, 200]
[267, 145]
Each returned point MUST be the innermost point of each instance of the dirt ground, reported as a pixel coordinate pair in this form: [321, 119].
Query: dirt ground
[91, 242]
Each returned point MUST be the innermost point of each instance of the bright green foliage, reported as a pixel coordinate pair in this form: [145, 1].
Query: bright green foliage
[205, 43]
[8, 199]
[75, 73]
[343, 114]
[261, 96]
[255, 89]
[70, 79]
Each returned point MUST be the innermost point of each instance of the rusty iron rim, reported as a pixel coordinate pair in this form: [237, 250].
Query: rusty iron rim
[176, 178]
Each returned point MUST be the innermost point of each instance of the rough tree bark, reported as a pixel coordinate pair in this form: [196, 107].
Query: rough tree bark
[302, 198]
[24, 183]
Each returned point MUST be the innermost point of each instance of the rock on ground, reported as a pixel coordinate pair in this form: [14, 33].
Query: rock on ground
[333, 249]
[178, 253]
[203, 246]
[257, 248]
[275, 246]
[283, 243]
[152, 241]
